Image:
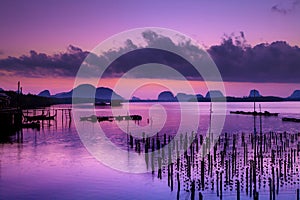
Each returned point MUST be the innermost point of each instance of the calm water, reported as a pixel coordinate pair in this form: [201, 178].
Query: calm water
[52, 163]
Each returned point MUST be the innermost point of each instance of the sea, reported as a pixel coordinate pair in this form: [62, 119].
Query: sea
[73, 157]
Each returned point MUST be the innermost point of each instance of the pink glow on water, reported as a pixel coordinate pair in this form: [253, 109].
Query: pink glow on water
[53, 162]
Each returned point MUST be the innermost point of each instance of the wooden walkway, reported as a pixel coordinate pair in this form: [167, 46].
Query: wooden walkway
[13, 119]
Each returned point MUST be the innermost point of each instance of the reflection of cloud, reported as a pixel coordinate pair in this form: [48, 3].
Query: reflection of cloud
[285, 7]
[236, 60]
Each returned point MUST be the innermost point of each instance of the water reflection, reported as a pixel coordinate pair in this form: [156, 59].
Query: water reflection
[243, 164]
[52, 162]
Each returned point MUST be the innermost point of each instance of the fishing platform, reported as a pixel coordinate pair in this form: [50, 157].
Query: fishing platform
[94, 118]
[254, 113]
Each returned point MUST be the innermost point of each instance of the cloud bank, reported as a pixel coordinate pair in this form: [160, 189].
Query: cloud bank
[43, 65]
[277, 62]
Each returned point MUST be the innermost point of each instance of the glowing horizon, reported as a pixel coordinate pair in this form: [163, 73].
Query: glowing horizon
[150, 91]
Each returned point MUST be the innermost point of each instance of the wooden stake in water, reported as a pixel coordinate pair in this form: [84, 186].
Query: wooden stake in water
[200, 196]
[209, 131]
[202, 174]
[178, 185]
[238, 194]
[193, 190]
[256, 196]
[270, 188]
[217, 183]
[221, 185]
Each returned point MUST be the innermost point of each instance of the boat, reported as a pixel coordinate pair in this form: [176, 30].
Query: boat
[31, 125]
[94, 118]
[113, 103]
[105, 118]
[254, 113]
[119, 118]
[136, 117]
[290, 119]
[101, 104]
[39, 117]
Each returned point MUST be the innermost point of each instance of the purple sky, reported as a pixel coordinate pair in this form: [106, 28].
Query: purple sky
[51, 26]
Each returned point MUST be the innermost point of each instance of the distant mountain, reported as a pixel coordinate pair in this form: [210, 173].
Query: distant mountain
[254, 93]
[63, 95]
[214, 94]
[135, 99]
[44, 93]
[199, 96]
[166, 96]
[185, 97]
[81, 91]
[107, 94]
[89, 91]
[295, 95]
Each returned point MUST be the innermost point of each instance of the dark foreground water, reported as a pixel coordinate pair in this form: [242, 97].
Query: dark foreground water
[53, 163]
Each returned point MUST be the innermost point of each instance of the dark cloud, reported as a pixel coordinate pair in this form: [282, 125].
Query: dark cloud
[41, 65]
[236, 60]
[1, 52]
[285, 7]
[67, 64]
[275, 62]
[151, 55]
[74, 49]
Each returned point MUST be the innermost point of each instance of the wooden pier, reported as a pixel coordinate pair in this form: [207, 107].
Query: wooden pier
[46, 113]
[10, 119]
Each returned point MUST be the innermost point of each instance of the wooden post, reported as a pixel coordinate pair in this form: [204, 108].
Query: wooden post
[217, 174]
[70, 114]
[221, 185]
[251, 174]
[178, 186]
[171, 176]
[62, 118]
[270, 188]
[152, 161]
[202, 174]
[238, 197]
[193, 190]
[256, 195]
[200, 196]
